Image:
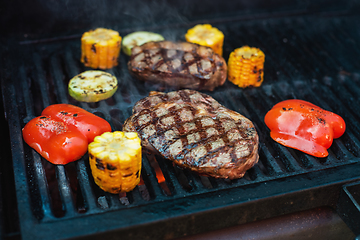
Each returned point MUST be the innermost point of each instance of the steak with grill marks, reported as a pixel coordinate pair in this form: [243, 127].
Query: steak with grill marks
[178, 65]
[196, 132]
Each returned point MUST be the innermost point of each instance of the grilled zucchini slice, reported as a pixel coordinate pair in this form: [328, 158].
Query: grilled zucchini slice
[139, 38]
[92, 86]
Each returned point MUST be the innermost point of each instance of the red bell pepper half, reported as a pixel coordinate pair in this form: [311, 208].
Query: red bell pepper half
[304, 126]
[55, 141]
[87, 123]
[62, 133]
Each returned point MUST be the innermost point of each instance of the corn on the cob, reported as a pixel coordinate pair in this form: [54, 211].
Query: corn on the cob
[100, 48]
[115, 161]
[246, 67]
[206, 35]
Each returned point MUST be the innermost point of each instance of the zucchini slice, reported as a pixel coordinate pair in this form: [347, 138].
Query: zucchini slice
[92, 86]
[137, 39]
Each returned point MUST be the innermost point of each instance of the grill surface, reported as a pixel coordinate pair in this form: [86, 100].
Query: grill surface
[314, 58]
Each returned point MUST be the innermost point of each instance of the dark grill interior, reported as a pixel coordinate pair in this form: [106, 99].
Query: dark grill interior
[309, 57]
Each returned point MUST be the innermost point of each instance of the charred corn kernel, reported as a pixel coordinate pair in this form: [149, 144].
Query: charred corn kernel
[115, 161]
[246, 67]
[206, 35]
[100, 48]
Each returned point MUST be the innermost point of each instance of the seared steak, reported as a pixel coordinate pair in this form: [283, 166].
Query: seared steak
[196, 132]
[178, 65]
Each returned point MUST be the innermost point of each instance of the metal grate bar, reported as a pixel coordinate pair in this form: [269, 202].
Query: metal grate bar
[334, 101]
[352, 143]
[150, 175]
[349, 37]
[272, 165]
[27, 95]
[136, 196]
[88, 194]
[197, 185]
[114, 200]
[270, 96]
[66, 195]
[336, 36]
[289, 161]
[58, 76]
[39, 174]
[71, 66]
[235, 103]
[41, 79]
[42, 187]
[178, 180]
[300, 63]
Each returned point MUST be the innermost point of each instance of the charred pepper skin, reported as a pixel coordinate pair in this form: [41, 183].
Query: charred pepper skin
[63, 131]
[54, 140]
[87, 123]
[304, 126]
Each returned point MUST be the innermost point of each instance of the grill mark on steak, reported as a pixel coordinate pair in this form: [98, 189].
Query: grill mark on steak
[179, 65]
[184, 97]
[206, 141]
[195, 131]
[161, 57]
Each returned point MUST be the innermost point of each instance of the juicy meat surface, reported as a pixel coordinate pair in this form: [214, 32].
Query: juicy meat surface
[178, 65]
[196, 132]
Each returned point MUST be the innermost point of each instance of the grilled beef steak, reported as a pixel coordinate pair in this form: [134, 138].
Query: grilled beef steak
[196, 132]
[178, 65]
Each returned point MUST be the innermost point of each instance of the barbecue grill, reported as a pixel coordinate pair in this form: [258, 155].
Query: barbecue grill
[312, 53]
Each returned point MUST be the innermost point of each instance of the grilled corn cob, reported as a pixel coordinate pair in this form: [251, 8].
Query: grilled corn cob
[100, 48]
[246, 67]
[206, 35]
[115, 161]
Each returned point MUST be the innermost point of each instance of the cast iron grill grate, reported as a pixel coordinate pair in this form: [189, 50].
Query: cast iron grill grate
[318, 63]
